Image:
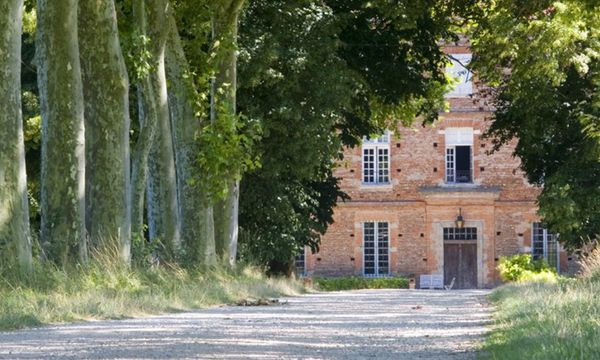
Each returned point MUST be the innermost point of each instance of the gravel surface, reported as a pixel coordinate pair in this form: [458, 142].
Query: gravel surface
[365, 324]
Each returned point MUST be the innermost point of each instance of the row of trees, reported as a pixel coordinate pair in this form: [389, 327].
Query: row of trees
[95, 187]
[145, 134]
[147, 143]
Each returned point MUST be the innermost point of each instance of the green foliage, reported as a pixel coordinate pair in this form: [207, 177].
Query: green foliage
[319, 75]
[521, 267]
[543, 57]
[138, 56]
[227, 151]
[354, 283]
[543, 276]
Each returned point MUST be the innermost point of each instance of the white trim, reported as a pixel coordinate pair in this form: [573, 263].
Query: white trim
[376, 148]
[376, 272]
[546, 235]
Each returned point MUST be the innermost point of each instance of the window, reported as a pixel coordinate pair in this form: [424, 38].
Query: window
[545, 245]
[460, 73]
[376, 249]
[376, 160]
[469, 233]
[300, 263]
[459, 160]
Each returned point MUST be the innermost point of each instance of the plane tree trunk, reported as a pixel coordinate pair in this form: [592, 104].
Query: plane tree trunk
[63, 139]
[154, 160]
[224, 88]
[106, 91]
[197, 227]
[15, 240]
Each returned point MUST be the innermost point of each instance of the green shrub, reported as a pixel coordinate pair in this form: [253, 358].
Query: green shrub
[355, 282]
[521, 267]
[543, 276]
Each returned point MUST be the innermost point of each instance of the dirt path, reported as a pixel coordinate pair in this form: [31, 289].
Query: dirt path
[367, 324]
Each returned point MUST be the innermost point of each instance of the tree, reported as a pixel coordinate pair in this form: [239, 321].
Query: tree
[15, 239]
[163, 208]
[63, 138]
[154, 162]
[225, 15]
[146, 115]
[322, 76]
[542, 58]
[106, 92]
[197, 223]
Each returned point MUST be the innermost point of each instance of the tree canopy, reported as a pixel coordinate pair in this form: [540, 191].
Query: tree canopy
[542, 59]
[320, 75]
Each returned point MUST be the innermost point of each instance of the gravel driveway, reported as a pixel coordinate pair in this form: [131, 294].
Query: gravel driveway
[376, 324]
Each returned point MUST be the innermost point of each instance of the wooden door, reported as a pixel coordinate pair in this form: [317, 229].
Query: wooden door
[460, 264]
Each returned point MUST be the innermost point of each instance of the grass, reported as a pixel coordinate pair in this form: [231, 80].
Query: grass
[50, 295]
[548, 321]
[354, 282]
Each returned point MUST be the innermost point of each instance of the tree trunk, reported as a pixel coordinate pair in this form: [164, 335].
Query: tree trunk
[63, 138]
[163, 215]
[147, 130]
[14, 211]
[197, 227]
[106, 92]
[141, 152]
[224, 87]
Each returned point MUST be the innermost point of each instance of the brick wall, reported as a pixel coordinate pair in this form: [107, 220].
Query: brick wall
[417, 203]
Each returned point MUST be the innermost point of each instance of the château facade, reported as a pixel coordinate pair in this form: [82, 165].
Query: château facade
[407, 193]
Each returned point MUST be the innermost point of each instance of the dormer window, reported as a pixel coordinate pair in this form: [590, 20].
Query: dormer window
[459, 71]
[459, 159]
[376, 160]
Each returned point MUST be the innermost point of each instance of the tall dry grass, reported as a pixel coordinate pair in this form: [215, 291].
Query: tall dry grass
[549, 321]
[106, 289]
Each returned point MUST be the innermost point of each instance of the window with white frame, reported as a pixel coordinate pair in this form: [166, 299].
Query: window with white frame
[459, 155]
[458, 69]
[376, 160]
[376, 249]
[545, 245]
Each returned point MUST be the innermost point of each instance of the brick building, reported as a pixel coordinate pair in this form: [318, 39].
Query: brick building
[408, 191]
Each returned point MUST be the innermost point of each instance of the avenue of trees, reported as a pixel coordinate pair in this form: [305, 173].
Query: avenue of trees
[194, 130]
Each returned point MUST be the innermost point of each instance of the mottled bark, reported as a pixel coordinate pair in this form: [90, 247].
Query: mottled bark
[226, 224]
[63, 139]
[141, 152]
[163, 214]
[15, 240]
[147, 130]
[225, 29]
[197, 227]
[106, 91]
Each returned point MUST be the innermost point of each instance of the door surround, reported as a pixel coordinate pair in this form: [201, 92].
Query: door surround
[437, 247]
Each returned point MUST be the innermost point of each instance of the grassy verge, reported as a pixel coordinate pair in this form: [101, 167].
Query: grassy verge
[99, 292]
[354, 282]
[546, 321]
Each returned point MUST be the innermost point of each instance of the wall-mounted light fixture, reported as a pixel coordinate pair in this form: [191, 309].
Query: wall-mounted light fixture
[460, 222]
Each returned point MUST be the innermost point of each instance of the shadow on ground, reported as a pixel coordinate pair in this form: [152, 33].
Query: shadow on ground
[382, 324]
